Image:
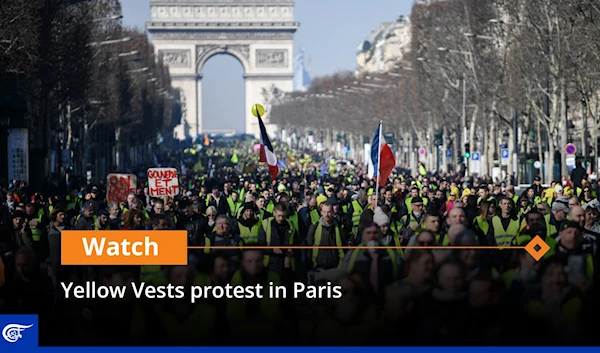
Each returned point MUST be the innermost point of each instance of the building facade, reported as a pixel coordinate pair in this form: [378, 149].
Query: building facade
[383, 47]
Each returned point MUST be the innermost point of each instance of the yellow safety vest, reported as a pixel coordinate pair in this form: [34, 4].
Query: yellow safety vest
[503, 236]
[525, 238]
[249, 235]
[294, 219]
[550, 228]
[570, 310]
[408, 221]
[319, 237]
[354, 256]
[269, 232]
[357, 211]
[234, 207]
[270, 206]
[36, 234]
[314, 216]
[481, 224]
[397, 241]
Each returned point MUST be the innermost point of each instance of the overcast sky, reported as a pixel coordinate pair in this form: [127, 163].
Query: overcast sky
[330, 31]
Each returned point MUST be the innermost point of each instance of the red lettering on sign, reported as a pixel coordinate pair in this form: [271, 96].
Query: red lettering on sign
[162, 174]
[165, 191]
[119, 186]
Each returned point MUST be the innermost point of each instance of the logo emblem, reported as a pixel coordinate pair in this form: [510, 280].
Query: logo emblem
[12, 332]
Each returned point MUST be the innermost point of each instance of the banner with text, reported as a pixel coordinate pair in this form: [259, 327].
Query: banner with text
[119, 186]
[163, 182]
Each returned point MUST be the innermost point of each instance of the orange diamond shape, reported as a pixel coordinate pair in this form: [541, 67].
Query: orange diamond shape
[543, 248]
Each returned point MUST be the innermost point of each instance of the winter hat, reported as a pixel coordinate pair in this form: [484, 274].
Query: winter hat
[380, 217]
[321, 199]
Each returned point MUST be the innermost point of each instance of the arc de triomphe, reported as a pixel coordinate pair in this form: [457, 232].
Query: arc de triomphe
[259, 33]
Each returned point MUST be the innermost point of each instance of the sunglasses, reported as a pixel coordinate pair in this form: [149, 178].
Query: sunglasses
[210, 215]
[452, 194]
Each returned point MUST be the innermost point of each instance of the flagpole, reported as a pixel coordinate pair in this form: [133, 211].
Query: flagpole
[270, 178]
[378, 164]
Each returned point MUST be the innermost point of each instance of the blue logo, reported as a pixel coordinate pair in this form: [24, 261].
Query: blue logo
[19, 331]
[505, 154]
[449, 153]
[475, 156]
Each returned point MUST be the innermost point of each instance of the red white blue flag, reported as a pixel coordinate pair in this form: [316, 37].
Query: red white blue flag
[267, 153]
[382, 157]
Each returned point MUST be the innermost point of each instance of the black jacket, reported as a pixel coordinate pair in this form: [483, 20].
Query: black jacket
[193, 225]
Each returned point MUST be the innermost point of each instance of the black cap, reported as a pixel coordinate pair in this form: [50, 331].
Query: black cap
[249, 206]
[570, 224]
[103, 213]
[333, 200]
[416, 200]
[537, 178]
[18, 214]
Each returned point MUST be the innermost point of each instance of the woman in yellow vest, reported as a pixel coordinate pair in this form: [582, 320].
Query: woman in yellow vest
[487, 209]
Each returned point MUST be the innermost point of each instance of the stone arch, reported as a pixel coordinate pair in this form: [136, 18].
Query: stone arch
[205, 52]
[258, 33]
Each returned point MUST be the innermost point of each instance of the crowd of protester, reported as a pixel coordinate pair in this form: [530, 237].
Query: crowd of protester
[419, 290]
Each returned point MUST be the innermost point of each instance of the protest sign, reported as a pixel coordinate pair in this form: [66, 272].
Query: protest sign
[118, 186]
[163, 182]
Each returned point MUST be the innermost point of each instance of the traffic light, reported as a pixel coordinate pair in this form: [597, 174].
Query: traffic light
[439, 138]
[467, 151]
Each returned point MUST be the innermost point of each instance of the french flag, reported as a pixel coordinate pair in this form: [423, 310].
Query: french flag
[267, 153]
[382, 157]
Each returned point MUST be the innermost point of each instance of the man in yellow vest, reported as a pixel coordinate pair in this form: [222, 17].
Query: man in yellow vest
[503, 228]
[248, 225]
[278, 232]
[572, 244]
[234, 203]
[326, 232]
[355, 210]
[378, 266]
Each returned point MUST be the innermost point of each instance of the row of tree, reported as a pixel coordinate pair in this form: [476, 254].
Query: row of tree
[92, 87]
[533, 61]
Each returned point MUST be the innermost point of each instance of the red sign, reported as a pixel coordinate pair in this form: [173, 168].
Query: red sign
[118, 186]
[570, 148]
